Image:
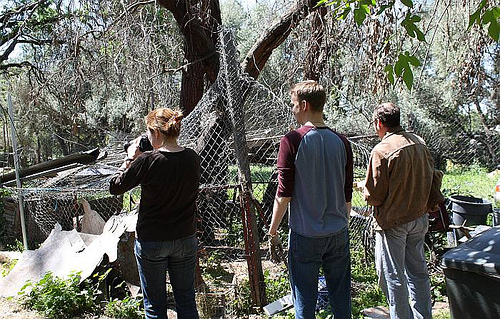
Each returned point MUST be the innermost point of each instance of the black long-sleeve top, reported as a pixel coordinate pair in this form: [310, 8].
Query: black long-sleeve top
[169, 186]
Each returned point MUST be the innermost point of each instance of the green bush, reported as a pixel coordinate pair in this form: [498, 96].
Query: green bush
[277, 285]
[242, 305]
[235, 236]
[128, 308]
[16, 245]
[214, 270]
[55, 297]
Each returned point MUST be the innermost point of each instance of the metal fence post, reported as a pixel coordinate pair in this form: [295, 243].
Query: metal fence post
[235, 107]
[16, 165]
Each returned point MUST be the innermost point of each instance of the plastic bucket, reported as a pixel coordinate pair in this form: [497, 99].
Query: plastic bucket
[469, 210]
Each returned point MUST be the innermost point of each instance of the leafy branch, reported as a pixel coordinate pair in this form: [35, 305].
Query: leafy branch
[402, 69]
[483, 16]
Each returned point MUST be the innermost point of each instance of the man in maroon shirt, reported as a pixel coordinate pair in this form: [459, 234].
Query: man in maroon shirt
[315, 174]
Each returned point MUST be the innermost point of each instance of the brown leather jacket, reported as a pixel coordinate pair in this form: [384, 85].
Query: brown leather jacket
[399, 179]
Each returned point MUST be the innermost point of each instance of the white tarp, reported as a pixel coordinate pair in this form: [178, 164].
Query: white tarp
[64, 252]
[92, 222]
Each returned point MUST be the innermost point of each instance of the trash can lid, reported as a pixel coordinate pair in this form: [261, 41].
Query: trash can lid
[479, 254]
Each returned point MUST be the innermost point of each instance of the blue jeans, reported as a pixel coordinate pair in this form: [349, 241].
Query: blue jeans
[402, 270]
[154, 259]
[305, 257]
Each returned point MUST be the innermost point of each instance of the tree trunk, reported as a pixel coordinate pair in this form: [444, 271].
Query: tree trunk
[199, 29]
[314, 61]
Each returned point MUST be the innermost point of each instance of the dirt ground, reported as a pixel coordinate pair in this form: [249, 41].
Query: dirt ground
[12, 310]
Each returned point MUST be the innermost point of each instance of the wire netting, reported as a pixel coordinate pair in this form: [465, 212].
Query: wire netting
[235, 128]
[60, 198]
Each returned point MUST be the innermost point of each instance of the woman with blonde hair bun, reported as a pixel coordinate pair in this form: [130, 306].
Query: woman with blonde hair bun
[169, 177]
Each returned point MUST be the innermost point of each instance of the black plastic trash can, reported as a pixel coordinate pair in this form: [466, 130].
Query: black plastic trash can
[468, 211]
[472, 273]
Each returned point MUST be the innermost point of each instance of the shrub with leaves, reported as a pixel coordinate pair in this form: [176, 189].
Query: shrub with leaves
[242, 305]
[128, 308]
[55, 297]
[277, 285]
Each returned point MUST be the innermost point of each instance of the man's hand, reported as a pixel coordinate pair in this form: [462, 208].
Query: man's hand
[276, 249]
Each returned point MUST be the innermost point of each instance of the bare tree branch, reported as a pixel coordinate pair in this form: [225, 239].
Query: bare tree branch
[258, 55]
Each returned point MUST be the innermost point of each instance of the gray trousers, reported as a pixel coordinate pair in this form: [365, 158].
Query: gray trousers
[402, 270]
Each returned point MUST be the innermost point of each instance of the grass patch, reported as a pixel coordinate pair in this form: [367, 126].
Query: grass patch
[365, 290]
[442, 314]
[470, 180]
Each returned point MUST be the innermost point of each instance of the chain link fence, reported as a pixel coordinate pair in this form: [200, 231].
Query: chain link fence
[235, 129]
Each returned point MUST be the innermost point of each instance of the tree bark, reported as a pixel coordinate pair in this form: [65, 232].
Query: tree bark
[199, 28]
[258, 55]
[199, 31]
[314, 61]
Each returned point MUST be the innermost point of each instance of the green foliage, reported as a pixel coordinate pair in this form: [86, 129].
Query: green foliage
[324, 314]
[361, 11]
[342, 8]
[242, 305]
[483, 16]
[366, 291]
[402, 69]
[128, 308]
[442, 314]
[407, 3]
[438, 286]
[55, 297]
[360, 271]
[411, 28]
[289, 314]
[7, 267]
[215, 271]
[15, 246]
[371, 296]
[277, 285]
[235, 234]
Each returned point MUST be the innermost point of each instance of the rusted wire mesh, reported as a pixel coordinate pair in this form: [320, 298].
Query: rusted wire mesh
[235, 129]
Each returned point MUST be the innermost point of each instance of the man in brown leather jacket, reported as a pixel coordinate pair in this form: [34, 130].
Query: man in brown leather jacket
[398, 185]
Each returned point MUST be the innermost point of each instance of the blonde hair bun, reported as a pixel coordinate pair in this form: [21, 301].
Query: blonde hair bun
[166, 120]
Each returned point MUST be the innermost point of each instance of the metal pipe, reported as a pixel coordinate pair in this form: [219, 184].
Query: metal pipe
[18, 179]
